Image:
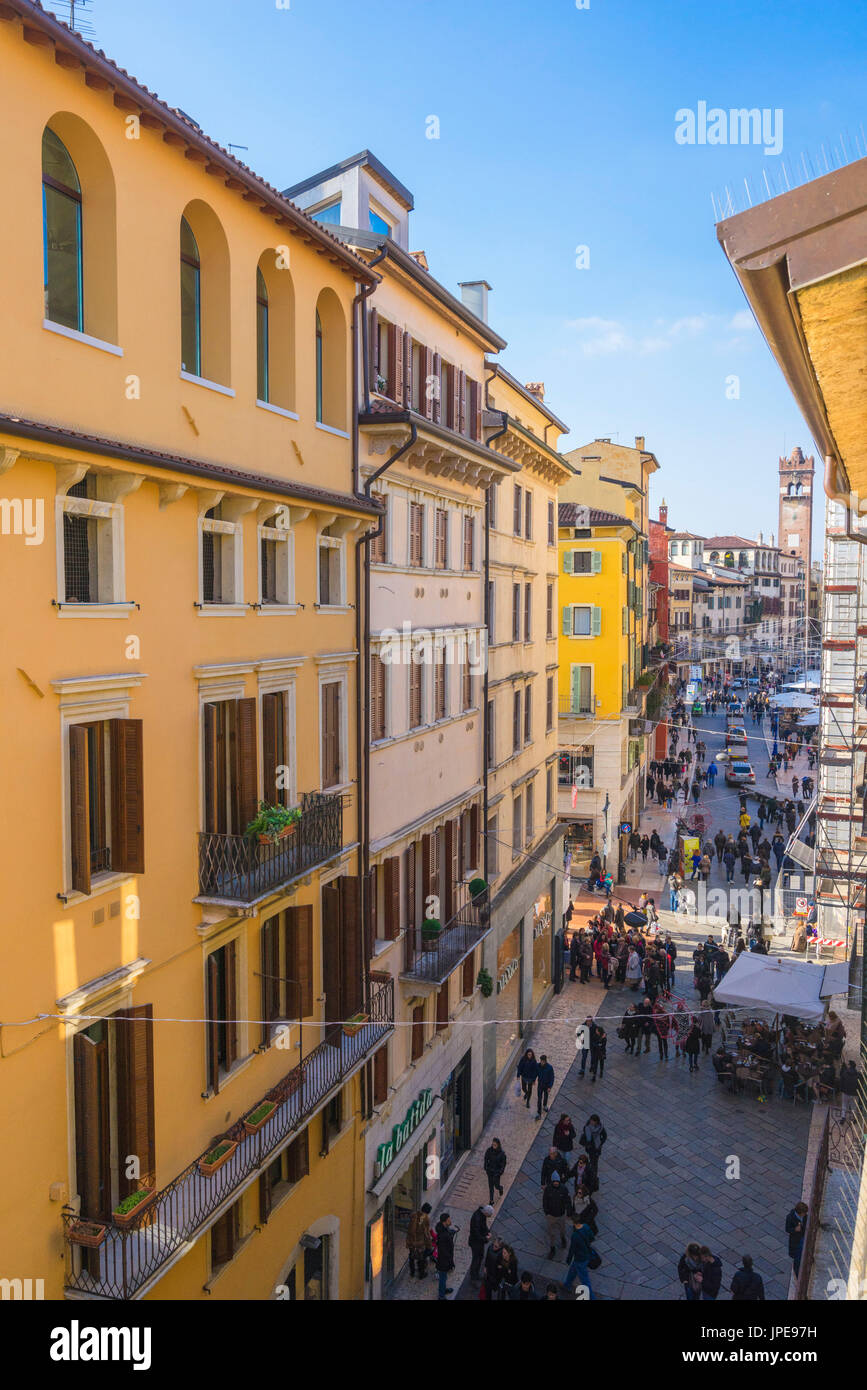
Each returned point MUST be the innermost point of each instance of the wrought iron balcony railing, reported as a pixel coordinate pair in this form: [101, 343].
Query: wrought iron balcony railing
[432, 959]
[128, 1259]
[233, 868]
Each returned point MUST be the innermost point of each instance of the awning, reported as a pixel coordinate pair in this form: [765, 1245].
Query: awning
[416, 1141]
[799, 988]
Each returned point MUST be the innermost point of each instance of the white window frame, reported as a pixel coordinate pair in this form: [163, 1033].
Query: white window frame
[335, 671]
[285, 538]
[107, 509]
[236, 605]
[279, 677]
[337, 543]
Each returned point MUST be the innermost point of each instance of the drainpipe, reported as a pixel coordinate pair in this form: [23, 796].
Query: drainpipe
[487, 596]
[361, 300]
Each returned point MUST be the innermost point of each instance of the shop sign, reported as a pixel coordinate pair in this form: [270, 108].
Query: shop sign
[415, 1114]
[506, 974]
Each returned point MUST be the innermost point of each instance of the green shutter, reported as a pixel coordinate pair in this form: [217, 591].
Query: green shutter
[624, 562]
[626, 622]
[576, 689]
[596, 621]
[567, 621]
[596, 561]
[567, 561]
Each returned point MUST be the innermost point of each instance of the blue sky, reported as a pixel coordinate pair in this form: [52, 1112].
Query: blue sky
[556, 131]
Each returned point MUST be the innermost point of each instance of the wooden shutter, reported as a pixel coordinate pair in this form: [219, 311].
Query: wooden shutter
[462, 402]
[79, 808]
[462, 844]
[567, 620]
[332, 972]
[468, 978]
[475, 408]
[212, 1025]
[380, 1075]
[426, 869]
[127, 796]
[568, 558]
[298, 1156]
[88, 1060]
[272, 746]
[425, 390]
[373, 340]
[377, 697]
[265, 1197]
[436, 403]
[210, 714]
[371, 922]
[395, 363]
[442, 1013]
[391, 890]
[596, 621]
[270, 967]
[417, 1044]
[516, 511]
[246, 772]
[595, 561]
[451, 870]
[135, 1092]
[223, 1238]
[407, 371]
[456, 398]
[299, 954]
[330, 735]
[353, 962]
[230, 958]
[474, 838]
[412, 922]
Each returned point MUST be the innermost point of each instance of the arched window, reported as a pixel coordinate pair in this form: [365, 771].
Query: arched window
[743, 559]
[790, 490]
[191, 302]
[714, 557]
[331, 361]
[318, 367]
[61, 235]
[799, 489]
[263, 346]
[730, 559]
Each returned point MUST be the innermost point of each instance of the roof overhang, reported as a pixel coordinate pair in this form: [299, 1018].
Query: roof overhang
[435, 450]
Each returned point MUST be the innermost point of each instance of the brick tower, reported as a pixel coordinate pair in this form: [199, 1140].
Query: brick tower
[796, 509]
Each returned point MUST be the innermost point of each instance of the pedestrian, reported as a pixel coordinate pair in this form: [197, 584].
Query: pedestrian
[490, 1289]
[545, 1082]
[746, 1285]
[644, 1011]
[593, 1136]
[796, 1225]
[729, 859]
[419, 1241]
[707, 1027]
[711, 1275]
[552, 1163]
[574, 949]
[662, 1023]
[628, 1029]
[494, 1164]
[719, 840]
[580, 1252]
[445, 1256]
[525, 1292]
[556, 1206]
[508, 1273]
[692, 1045]
[661, 857]
[633, 971]
[589, 1030]
[564, 1134]
[478, 1238]
[689, 1272]
[528, 1070]
[597, 1054]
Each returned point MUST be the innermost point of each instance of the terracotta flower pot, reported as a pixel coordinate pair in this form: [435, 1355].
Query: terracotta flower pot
[354, 1025]
[129, 1218]
[209, 1169]
[254, 1128]
[86, 1233]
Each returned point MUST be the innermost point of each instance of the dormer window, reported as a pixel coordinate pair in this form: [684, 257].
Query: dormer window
[378, 224]
[330, 214]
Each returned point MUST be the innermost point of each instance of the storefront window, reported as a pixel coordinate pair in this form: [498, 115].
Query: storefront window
[579, 843]
[508, 997]
[542, 937]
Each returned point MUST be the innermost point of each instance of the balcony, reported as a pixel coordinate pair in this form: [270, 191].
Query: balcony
[431, 962]
[235, 869]
[130, 1260]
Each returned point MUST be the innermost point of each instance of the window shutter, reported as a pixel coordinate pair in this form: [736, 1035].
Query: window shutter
[567, 621]
[210, 768]
[595, 561]
[330, 735]
[371, 931]
[269, 960]
[212, 1026]
[625, 622]
[425, 387]
[332, 973]
[373, 337]
[135, 1060]
[596, 621]
[246, 764]
[222, 1239]
[353, 963]
[462, 399]
[453, 859]
[127, 797]
[456, 398]
[395, 363]
[265, 1188]
[380, 1075]
[298, 1155]
[477, 410]
[468, 979]
[301, 954]
[79, 808]
[392, 898]
[417, 1045]
[436, 403]
[407, 371]
[474, 837]
[568, 561]
[272, 716]
[88, 1126]
[426, 869]
[516, 511]
[230, 958]
[442, 1010]
[576, 689]
[412, 923]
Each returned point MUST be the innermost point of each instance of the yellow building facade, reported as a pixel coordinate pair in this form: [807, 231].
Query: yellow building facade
[181, 648]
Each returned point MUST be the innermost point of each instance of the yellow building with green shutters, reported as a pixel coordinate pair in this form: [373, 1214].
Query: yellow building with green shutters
[601, 562]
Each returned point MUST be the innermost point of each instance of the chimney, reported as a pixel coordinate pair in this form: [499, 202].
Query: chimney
[536, 388]
[420, 258]
[663, 513]
[760, 540]
[474, 294]
[639, 443]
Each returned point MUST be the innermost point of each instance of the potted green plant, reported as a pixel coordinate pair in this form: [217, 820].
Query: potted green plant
[431, 928]
[88, 1233]
[478, 888]
[485, 983]
[216, 1157]
[258, 1117]
[353, 1024]
[131, 1207]
[272, 823]
[381, 384]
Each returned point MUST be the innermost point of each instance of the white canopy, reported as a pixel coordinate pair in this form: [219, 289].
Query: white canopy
[756, 981]
[793, 699]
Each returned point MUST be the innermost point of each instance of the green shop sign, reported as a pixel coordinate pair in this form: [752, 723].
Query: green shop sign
[399, 1135]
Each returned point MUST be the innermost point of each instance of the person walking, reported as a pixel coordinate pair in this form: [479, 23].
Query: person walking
[478, 1238]
[597, 1053]
[690, 1273]
[628, 1030]
[545, 1081]
[445, 1256]
[556, 1206]
[419, 1241]
[662, 1024]
[644, 1011]
[580, 1251]
[589, 1027]
[633, 971]
[746, 1285]
[564, 1134]
[554, 1162]
[493, 1274]
[525, 1291]
[707, 1025]
[796, 1225]
[593, 1136]
[711, 1275]
[494, 1164]
[574, 955]
[719, 840]
[528, 1071]
[692, 1045]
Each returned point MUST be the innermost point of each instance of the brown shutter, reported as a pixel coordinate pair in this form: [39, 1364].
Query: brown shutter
[373, 338]
[212, 1026]
[231, 958]
[427, 848]
[380, 1075]
[332, 972]
[265, 1196]
[377, 697]
[330, 735]
[474, 838]
[127, 796]
[246, 763]
[417, 1045]
[272, 717]
[407, 371]
[468, 982]
[456, 398]
[436, 403]
[395, 363]
[301, 954]
[442, 1012]
[391, 895]
[425, 390]
[451, 878]
[412, 924]
[477, 410]
[270, 962]
[373, 907]
[210, 767]
[462, 397]
[223, 1239]
[298, 1154]
[87, 1060]
[79, 808]
[353, 965]
[135, 1090]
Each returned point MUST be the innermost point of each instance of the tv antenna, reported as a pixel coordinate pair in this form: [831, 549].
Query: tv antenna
[77, 14]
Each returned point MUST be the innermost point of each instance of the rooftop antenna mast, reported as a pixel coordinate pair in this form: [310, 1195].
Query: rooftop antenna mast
[77, 14]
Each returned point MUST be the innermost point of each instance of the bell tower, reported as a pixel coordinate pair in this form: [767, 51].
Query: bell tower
[796, 509]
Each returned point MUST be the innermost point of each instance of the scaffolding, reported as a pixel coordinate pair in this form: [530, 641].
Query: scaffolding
[841, 811]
